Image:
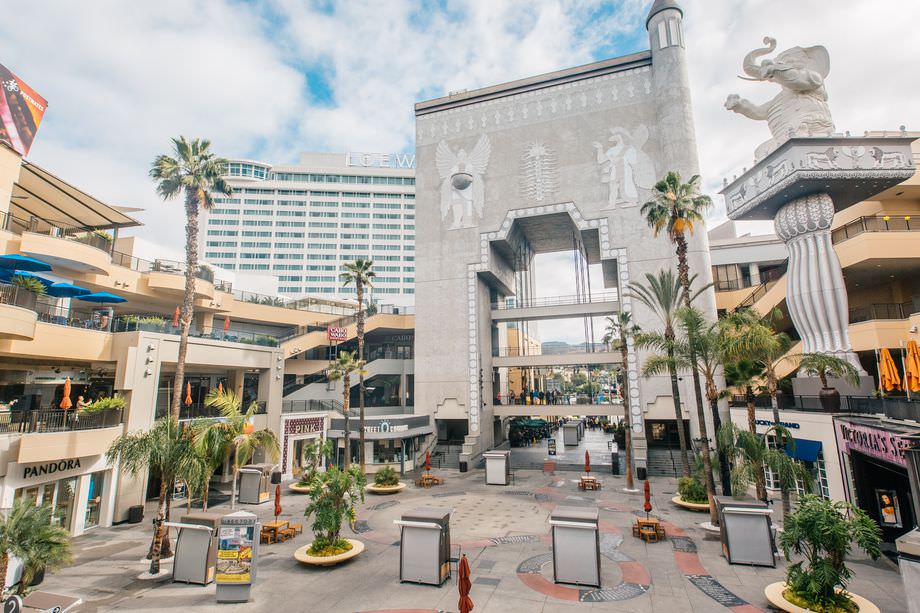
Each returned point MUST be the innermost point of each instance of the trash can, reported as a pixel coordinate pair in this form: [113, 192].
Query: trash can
[614, 462]
[570, 435]
[498, 467]
[254, 483]
[576, 546]
[196, 547]
[464, 467]
[747, 532]
[424, 545]
[136, 514]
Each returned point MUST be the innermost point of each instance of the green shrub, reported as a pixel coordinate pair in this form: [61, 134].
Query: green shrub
[386, 477]
[103, 404]
[334, 498]
[691, 489]
[30, 284]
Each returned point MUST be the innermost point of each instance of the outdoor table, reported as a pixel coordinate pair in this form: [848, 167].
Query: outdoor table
[588, 482]
[275, 527]
[427, 480]
[649, 530]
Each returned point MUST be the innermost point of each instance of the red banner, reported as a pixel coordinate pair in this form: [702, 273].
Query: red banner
[337, 335]
[21, 111]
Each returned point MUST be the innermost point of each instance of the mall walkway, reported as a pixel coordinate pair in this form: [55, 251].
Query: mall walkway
[568, 458]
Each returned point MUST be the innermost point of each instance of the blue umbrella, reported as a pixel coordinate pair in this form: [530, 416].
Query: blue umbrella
[15, 261]
[7, 275]
[66, 290]
[101, 297]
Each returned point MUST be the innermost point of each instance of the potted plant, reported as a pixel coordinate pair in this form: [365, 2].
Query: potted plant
[823, 533]
[311, 459]
[103, 404]
[691, 494]
[334, 498]
[28, 289]
[386, 481]
[823, 366]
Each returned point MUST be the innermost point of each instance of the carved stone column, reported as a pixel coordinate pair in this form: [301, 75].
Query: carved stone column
[815, 292]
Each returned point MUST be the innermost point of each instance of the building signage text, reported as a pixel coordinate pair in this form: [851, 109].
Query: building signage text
[791, 425]
[50, 468]
[380, 160]
[386, 427]
[336, 334]
[880, 444]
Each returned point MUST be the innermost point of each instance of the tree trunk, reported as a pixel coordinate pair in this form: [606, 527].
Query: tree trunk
[346, 382]
[236, 474]
[4, 565]
[724, 469]
[204, 497]
[760, 480]
[678, 414]
[188, 300]
[707, 466]
[359, 288]
[624, 356]
[166, 547]
[158, 530]
[774, 402]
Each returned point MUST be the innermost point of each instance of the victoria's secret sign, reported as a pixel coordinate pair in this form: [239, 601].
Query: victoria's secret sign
[880, 444]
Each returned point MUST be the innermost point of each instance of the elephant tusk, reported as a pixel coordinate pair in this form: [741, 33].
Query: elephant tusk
[748, 78]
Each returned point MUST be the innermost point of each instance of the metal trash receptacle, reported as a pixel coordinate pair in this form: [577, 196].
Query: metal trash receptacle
[576, 546]
[498, 467]
[746, 531]
[255, 483]
[136, 514]
[614, 462]
[424, 545]
[570, 435]
[196, 547]
[464, 467]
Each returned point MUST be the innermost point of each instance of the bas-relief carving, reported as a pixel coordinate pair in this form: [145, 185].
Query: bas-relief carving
[626, 169]
[800, 109]
[538, 173]
[462, 186]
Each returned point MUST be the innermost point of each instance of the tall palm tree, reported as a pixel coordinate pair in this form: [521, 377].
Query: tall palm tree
[165, 449]
[235, 428]
[26, 532]
[196, 173]
[744, 375]
[342, 368]
[620, 328]
[663, 295]
[361, 274]
[676, 207]
[213, 449]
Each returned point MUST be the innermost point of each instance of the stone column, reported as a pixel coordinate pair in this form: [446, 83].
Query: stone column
[815, 290]
[754, 273]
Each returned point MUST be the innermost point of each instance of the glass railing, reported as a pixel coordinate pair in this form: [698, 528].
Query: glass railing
[99, 239]
[871, 312]
[875, 223]
[527, 303]
[156, 323]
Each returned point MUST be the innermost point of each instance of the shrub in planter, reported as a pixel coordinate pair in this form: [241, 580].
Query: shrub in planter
[334, 498]
[311, 459]
[103, 404]
[386, 477]
[823, 532]
[691, 489]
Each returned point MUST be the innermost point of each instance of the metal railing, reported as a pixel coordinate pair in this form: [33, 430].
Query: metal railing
[155, 323]
[875, 223]
[553, 301]
[199, 410]
[344, 322]
[28, 422]
[869, 312]
[891, 407]
[37, 225]
[310, 406]
[768, 280]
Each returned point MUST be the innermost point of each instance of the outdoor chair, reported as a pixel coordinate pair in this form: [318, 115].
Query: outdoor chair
[288, 533]
[267, 536]
[298, 528]
[456, 551]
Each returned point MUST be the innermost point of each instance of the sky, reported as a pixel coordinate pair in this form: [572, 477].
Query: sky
[268, 79]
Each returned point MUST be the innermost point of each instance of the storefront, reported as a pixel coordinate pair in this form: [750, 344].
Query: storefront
[79, 491]
[814, 445]
[872, 451]
[297, 433]
[389, 441]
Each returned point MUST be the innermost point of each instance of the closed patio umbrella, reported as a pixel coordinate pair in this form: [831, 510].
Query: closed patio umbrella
[188, 393]
[226, 324]
[277, 501]
[428, 461]
[65, 401]
[14, 261]
[912, 370]
[889, 378]
[63, 289]
[648, 499]
[465, 585]
[176, 318]
[587, 462]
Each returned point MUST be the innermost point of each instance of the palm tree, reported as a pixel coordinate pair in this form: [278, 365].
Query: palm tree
[744, 375]
[824, 366]
[26, 533]
[213, 449]
[620, 328]
[342, 368]
[235, 428]
[195, 173]
[166, 450]
[676, 207]
[361, 274]
[663, 295]
[750, 453]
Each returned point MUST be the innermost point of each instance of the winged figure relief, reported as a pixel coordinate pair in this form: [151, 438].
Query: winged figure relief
[625, 167]
[462, 187]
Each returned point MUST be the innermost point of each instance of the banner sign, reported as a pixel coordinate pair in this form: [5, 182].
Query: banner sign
[21, 111]
[880, 444]
[337, 335]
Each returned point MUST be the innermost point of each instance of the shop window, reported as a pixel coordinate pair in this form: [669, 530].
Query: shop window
[94, 499]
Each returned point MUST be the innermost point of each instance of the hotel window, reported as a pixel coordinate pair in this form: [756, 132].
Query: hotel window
[225, 211]
[321, 245]
[256, 244]
[408, 290]
[320, 256]
[221, 244]
[290, 278]
[222, 222]
[254, 256]
[289, 256]
[288, 245]
[386, 237]
[408, 268]
[324, 224]
[318, 279]
[292, 213]
[408, 258]
[222, 232]
[324, 214]
[355, 215]
[219, 255]
[386, 215]
[355, 225]
[347, 247]
[253, 266]
[289, 290]
[387, 205]
[326, 235]
[408, 280]
[386, 258]
[254, 222]
[388, 247]
[262, 212]
[319, 267]
[290, 224]
[256, 233]
[260, 202]
[287, 267]
[408, 216]
[288, 234]
[356, 205]
[354, 236]
[409, 227]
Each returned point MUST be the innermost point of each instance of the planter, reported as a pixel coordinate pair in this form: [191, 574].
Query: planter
[830, 399]
[774, 593]
[385, 489]
[299, 489]
[701, 507]
[303, 557]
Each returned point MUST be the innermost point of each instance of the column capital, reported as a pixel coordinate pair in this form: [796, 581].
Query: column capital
[804, 215]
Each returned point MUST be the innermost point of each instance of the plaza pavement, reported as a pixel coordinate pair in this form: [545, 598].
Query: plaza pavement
[503, 531]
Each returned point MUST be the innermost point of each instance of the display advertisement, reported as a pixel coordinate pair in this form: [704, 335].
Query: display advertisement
[21, 111]
[888, 508]
[234, 554]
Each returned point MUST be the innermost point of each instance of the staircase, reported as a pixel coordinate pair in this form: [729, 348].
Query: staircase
[446, 455]
[663, 462]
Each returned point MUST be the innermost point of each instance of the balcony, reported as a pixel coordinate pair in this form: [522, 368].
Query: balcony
[892, 408]
[16, 322]
[875, 223]
[31, 422]
[555, 307]
[872, 312]
[81, 249]
[197, 410]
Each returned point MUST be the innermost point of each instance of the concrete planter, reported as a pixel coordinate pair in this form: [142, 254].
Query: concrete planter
[303, 557]
[299, 489]
[385, 489]
[700, 507]
[774, 593]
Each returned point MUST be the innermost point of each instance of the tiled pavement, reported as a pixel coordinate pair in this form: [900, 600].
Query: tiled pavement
[504, 532]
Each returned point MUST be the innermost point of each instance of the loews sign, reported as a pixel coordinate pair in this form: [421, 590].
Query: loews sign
[30, 472]
[381, 160]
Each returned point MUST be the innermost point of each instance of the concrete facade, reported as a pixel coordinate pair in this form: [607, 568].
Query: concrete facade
[535, 166]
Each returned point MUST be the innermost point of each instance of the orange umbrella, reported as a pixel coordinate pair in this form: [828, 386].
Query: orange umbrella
[220, 387]
[428, 461]
[463, 582]
[277, 501]
[912, 370]
[648, 499]
[188, 393]
[226, 324]
[176, 318]
[889, 378]
[587, 462]
[248, 427]
[65, 401]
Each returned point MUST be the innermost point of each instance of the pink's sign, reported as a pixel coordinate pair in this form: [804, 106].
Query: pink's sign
[880, 444]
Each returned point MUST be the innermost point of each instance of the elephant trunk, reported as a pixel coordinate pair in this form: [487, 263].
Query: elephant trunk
[751, 67]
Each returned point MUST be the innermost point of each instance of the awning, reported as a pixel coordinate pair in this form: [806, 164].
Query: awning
[805, 450]
[40, 194]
